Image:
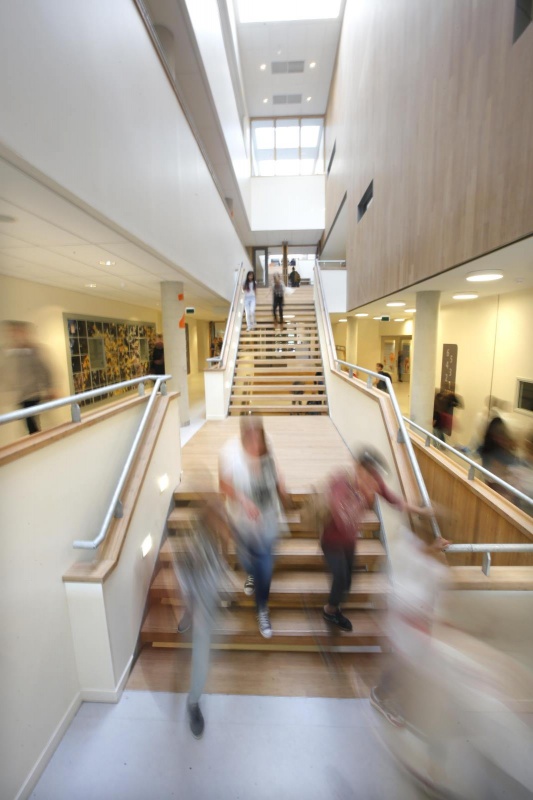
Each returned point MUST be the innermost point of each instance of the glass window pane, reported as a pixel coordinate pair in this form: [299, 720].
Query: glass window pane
[310, 135]
[287, 133]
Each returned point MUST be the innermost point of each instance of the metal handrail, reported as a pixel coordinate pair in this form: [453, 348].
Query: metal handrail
[472, 464]
[73, 399]
[219, 361]
[403, 437]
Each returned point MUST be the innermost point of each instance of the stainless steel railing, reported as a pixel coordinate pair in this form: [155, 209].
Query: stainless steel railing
[219, 361]
[115, 506]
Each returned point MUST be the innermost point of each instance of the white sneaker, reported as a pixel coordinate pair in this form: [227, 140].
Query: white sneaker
[249, 586]
[265, 628]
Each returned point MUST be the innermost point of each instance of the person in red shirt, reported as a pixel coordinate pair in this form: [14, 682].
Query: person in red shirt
[348, 496]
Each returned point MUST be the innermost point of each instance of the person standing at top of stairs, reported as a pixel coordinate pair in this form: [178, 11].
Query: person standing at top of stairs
[252, 485]
[250, 288]
[278, 291]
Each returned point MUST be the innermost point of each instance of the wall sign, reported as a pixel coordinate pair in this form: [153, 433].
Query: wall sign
[449, 367]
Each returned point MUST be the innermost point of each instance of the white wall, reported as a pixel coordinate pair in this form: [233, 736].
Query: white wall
[44, 306]
[71, 483]
[293, 203]
[86, 102]
[334, 283]
[493, 336]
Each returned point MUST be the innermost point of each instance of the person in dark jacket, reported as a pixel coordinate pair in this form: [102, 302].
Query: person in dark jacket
[157, 364]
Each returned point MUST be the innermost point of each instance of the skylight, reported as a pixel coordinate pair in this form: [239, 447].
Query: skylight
[287, 10]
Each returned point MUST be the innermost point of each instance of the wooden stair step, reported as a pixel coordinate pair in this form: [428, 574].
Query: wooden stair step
[503, 579]
[288, 387]
[313, 371]
[290, 396]
[291, 627]
[290, 588]
[266, 380]
[259, 409]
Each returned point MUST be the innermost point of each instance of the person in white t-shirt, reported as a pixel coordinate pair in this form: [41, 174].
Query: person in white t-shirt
[250, 287]
[250, 480]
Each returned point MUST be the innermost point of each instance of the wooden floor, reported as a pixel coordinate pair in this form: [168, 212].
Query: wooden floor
[306, 449]
[258, 673]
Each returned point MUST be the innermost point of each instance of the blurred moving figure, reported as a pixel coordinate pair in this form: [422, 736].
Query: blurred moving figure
[250, 480]
[157, 366]
[449, 712]
[348, 496]
[498, 454]
[26, 371]
[201, 571]
[444, 405]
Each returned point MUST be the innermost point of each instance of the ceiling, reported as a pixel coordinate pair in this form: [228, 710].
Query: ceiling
[52, 241]
[515, 262]
[305, 41]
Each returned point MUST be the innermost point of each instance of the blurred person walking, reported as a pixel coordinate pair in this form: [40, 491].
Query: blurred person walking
[278, 293]
[26, 371]
[349, 494]
[498, 455]
[379, 383]
[157, 364]
[250, 480]
[201, 570]
[250, 289]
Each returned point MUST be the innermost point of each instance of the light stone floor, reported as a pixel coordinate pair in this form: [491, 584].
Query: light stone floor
[254, 748]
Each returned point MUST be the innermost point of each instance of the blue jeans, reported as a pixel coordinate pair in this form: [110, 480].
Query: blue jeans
[257, 560]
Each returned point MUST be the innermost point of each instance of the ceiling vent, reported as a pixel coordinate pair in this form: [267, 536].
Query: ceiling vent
[282, 99]
[284, 67]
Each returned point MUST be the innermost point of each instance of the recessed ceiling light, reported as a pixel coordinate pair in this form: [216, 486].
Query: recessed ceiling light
[410, 310]
[465, 296]
[395, 305]
[107, 263]
[265, 99]
[90, 285]
[485, 276]
[343, 320]
[360, 315]
[263, 66]
[7, 218]
[400, 319]
[377, 318]
[309, 99]
[312, 65]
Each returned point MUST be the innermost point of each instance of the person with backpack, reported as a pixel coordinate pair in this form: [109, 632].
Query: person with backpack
[294, 276]
[278, 292]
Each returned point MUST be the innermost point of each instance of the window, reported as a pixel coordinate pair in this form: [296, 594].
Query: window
[524, 400]
[288, 146]
[97, 353]
[523, 15]
[365, 201]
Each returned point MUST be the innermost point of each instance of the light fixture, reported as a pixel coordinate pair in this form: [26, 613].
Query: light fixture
[410, 310]
[378, 318]
[265, 99]
[309, 99]
[395, 305]
[465, 296]
[287, 10]
[400, 319]
[90, 285]
[360, 315]
[312, 65]
[146, 546]
[107, 263]
[263, 66]
[485, 276]
[343, 320]
[163, 482]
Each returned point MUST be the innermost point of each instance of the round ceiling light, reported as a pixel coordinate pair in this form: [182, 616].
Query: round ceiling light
[312, 65]
[465, 296]
[485, 276]
[265, 99]
[263, 66]
[107, 263]
[395, 305]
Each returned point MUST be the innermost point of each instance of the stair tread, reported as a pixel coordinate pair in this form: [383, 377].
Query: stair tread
[297, 623]
[289, 396]
[308, 388]
[369, 520]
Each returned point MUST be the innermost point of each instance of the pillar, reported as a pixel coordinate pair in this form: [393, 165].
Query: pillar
[173, 311]
[424, 358]
[285, 264]
[351, 340]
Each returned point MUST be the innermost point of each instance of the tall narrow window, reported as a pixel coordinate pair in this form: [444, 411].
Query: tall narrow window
[365, 201]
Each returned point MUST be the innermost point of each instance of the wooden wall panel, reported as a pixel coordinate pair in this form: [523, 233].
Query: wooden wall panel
[473, 513]
[433, 102]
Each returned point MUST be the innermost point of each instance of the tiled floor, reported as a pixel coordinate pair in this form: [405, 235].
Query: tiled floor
[265, 748]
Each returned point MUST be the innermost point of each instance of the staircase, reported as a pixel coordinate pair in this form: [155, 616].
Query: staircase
[279, 369]
[300, 588]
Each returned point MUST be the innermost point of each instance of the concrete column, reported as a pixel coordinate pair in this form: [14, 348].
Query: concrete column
[173, 310]
[424, 358]
[351, 340]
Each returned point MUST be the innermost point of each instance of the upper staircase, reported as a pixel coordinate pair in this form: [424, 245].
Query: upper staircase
[279, 369]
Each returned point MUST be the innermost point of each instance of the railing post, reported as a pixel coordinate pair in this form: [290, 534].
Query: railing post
[471, 473]
[399, 437]
[75, 412]
[486, 564]
[119, 510]
[350, 372]
[369, 382]
[428, 441]
[141, 390]
[163, 388]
